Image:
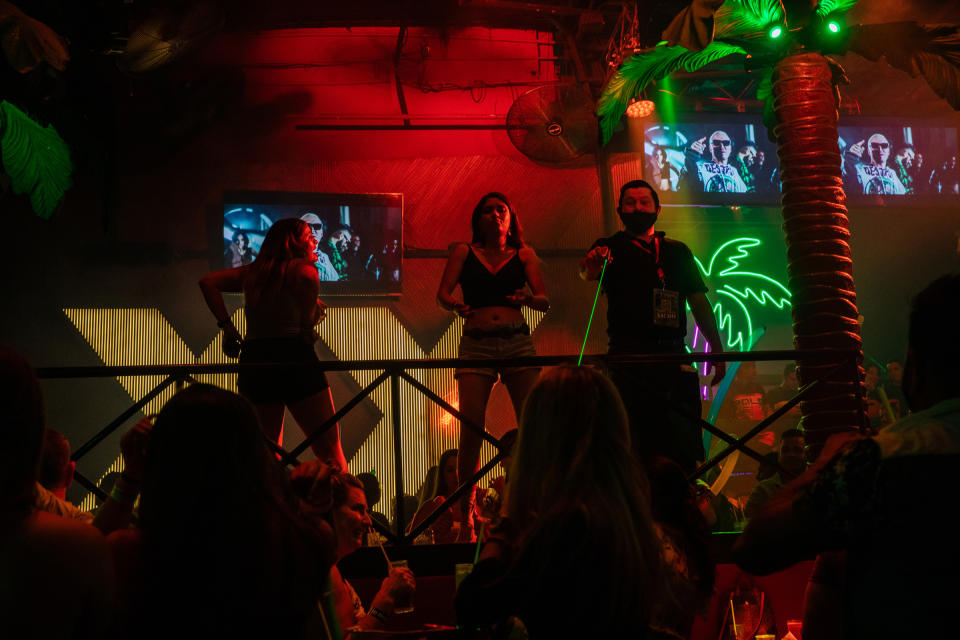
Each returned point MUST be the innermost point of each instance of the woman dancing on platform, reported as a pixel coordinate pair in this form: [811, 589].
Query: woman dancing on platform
[282, 310]
[493, 271]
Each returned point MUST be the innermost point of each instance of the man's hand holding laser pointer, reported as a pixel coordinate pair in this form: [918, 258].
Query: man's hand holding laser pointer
[592, 263]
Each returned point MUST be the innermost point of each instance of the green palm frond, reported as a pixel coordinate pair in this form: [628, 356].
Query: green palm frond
[765, 94]
[35, 157]
[761, 289]
[644, 67]
[733, 320]
[933, 52]
[630, 79]
[827, 7]
[746, 19]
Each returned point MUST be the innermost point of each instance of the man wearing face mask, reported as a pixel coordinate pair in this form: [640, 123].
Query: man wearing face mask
[648, 281]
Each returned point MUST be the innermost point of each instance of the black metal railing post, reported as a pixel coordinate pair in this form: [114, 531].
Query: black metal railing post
[397, 454]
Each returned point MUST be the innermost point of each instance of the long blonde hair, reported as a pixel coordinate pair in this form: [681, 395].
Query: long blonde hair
[573, 460]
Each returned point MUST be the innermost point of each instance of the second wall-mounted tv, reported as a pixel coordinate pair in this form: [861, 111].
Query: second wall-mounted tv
[360, 241]
[885, 157]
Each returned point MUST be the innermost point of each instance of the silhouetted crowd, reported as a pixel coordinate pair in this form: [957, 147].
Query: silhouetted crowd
[206, 534]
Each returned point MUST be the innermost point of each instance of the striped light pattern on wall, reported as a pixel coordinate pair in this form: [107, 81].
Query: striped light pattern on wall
[374, 333]
[144, 337]
[131, 337]
[89, 501]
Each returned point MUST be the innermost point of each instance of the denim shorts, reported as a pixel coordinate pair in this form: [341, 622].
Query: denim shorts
[516, 346]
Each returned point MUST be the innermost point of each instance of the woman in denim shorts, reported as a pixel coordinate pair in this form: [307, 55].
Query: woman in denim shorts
[498, 274]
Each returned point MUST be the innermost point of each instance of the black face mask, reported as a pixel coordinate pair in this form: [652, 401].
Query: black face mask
[639, 221]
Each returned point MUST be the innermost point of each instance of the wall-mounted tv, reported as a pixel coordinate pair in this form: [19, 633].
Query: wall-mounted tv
[359, 236]
[702, 160]
[884, 157]
[708, 159]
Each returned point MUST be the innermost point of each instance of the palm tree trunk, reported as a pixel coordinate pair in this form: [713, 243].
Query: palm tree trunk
[819, 264]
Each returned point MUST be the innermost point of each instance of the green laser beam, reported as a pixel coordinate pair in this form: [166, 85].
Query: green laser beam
[590, 322]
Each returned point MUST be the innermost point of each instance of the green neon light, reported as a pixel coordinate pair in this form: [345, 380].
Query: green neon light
[833, 27]
[725, 321]
[590, 321]
[761, 298]
[666, 104]
[738, 292]
[776, 32]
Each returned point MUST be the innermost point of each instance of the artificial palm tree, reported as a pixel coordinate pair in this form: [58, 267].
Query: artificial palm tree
[787, 43]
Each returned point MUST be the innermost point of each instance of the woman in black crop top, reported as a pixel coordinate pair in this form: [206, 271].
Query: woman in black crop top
[498, 274]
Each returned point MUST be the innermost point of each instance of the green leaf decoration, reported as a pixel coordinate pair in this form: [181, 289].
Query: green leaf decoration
[933, 52]
[35, 157]
[738, 292]
[642, 68]
[746, 19]
[827, 7]
[630, 79]
[765, 94]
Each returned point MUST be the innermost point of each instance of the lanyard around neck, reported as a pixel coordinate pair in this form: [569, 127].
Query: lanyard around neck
[655, 253]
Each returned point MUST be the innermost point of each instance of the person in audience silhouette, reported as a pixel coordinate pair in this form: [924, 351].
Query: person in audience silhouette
[351, 521]
[41, 554]
[790, 456]
[684, 541]
[446, 528]
[578, 504]
[220, 548]
[878, 499]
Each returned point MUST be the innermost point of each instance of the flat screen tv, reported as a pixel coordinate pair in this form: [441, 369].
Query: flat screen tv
[907, 162]
[360, 241]
[728, 160]
[703, 160]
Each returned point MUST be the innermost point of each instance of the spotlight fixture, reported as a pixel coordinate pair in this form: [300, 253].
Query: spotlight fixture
[833, 27]
[640, 108]
[775, 32]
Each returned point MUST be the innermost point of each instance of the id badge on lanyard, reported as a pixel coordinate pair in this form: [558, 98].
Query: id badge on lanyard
[666, 302]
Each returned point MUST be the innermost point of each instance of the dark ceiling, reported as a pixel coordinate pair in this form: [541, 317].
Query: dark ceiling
[93, 94]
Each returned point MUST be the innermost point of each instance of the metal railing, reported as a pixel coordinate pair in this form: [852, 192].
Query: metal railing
[397, 370]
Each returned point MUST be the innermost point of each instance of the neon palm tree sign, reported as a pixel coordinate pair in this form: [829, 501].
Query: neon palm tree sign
[739, 293]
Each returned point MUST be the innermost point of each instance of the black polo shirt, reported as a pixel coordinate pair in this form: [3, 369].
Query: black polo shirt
[628, 284]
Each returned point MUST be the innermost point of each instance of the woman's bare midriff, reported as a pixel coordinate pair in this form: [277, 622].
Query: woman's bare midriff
[487, 318]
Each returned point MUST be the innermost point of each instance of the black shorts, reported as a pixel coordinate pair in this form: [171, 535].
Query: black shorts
[272, 386]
